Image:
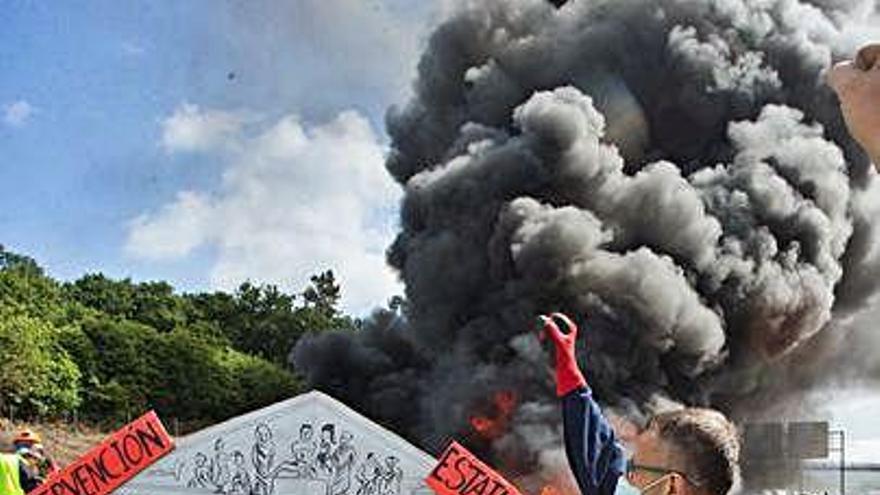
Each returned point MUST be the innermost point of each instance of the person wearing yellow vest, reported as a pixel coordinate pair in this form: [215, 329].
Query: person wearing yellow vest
[16, 475]
[14, 478]
[29, 446]
[10, 480]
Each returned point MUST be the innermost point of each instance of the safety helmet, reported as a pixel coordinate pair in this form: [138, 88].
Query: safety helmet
[27, 436]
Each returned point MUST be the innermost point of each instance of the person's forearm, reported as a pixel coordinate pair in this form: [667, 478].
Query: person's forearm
[594, 456]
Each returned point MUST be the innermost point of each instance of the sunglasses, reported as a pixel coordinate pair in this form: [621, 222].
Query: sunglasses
[632, 468]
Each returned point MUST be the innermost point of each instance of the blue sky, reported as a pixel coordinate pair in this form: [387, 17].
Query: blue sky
[87, 91]
[85, 159]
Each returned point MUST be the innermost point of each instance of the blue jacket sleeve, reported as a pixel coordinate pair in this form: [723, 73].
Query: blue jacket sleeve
[594, 455]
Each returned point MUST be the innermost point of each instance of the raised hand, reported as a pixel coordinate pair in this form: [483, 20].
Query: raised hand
[568, 374]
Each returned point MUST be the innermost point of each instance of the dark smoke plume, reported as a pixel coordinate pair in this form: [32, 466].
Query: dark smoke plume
[672, 172]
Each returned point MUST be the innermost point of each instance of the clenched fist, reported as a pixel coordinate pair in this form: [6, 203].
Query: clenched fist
[857, 84]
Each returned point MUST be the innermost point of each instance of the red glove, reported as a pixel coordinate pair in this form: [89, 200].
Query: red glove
[568, 375]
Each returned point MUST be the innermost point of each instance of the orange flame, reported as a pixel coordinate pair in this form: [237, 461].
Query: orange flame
[493, 426]
[482, 424]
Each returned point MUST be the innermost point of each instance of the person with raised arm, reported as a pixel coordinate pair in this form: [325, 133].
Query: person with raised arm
[690, 451]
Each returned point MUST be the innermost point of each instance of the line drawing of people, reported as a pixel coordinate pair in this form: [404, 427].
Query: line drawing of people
[262, 457]
[239, 479]
[392, 476]
[344, 459]
[324, 463]
[368, 476]
[302, 460]
[201, 475]
[220, 466]
[178, 470]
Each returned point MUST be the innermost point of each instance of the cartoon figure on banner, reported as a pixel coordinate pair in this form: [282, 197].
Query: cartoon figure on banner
[369, 476]
[240, 480]
[344, 458]
[262, 457]
[324, 463]
[391, 477]
[304, 450]
[220, 466]
[201, 477]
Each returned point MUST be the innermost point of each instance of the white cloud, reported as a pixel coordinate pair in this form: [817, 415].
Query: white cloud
[133, 49]
[294, 200]
[189, 217]
[16, 114]
[190, 128]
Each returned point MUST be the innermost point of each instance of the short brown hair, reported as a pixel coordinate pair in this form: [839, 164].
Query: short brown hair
[707, 442]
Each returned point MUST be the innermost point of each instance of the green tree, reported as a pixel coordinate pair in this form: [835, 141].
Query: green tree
[20, 263]
[258, 382]
[323, 294]
[127, 355]
[39, 377]
[25, 290]
[130, 367]
[114, 298]
[258, 320]
[113, 348]
[155, 304]
[150, 303]
[264, 321]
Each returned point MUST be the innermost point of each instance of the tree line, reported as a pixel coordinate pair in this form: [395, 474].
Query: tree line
[107, 350]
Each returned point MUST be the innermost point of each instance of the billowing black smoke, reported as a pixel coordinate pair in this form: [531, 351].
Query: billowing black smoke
[673, 172]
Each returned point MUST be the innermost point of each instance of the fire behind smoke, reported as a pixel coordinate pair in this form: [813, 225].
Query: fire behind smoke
[497, 422]
[674, 173]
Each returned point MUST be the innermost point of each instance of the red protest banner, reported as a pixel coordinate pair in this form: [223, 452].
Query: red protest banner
[116, 460]
[460, 472]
